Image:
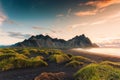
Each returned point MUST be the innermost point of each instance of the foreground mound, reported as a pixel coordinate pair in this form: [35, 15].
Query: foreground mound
[77, 61]
[98, 72]
[51, 76]
[59, 58]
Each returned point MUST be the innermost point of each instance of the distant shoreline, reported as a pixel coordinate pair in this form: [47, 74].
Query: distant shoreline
[97, 57]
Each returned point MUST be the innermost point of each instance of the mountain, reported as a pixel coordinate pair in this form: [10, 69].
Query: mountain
[42, 41]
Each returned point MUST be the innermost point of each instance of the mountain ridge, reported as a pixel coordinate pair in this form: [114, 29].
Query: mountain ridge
[46, 41]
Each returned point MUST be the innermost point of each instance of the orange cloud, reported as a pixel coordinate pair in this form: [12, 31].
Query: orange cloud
[86, 13]
[99, 5]
[102, 3]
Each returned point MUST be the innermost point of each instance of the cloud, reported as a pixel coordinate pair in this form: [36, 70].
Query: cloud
[86, 13]
[98, 22]
[41, 28]
[88, 23]
[78, 25]
[99, 5]
[5, 19]
[116, 15]
[37, 28]
[53, 31]
[18, 35]
[2, 18]
[59, 15]
[102, 3]
[8, 21]
[68, 12]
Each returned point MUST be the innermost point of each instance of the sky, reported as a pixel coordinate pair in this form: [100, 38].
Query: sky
[97, 19]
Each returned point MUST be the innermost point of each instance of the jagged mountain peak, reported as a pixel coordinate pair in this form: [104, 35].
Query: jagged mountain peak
[79, 37]
[49, 42]
[40, 37]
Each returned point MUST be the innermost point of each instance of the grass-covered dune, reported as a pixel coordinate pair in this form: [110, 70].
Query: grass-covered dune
[59, 58]
[12, 58]
[98, 72]
[76, 61]
[16, 60]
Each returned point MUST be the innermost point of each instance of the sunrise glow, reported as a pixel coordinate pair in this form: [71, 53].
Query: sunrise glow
[99, 20]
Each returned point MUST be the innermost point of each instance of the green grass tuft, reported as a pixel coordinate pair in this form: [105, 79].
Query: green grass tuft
[59, 58]
[13, 63]
[82, 59]
[114, 64]
[97, 72]
[74, 64]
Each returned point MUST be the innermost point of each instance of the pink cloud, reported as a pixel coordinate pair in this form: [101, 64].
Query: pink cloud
[2, 18]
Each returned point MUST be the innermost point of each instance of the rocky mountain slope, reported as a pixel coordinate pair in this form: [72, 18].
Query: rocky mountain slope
[49, 42]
